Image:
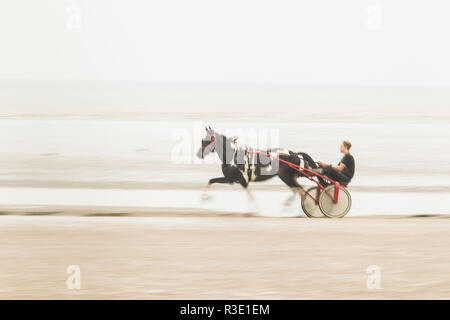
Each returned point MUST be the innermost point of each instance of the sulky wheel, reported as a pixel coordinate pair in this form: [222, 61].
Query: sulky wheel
[332, 209]
[309, 205]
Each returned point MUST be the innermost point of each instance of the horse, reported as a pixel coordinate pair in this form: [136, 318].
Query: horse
[242, 164]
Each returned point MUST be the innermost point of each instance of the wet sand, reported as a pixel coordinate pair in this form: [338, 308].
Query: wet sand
[222, 257]
[90, 178]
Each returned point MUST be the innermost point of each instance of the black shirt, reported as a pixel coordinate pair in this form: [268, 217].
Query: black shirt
[349, 163]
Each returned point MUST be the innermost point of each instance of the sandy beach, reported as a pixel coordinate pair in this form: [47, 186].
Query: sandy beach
[113, 186]
[222, 257]
[113, 179]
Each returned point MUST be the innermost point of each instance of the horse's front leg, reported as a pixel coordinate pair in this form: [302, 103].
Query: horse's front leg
[253, 204]
[212, 181]
[244, 184]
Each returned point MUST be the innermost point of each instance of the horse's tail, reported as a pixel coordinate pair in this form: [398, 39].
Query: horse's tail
[308, 160]
[312, 165]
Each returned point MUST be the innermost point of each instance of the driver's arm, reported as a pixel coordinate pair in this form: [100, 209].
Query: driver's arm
[339, 167]
[322, 164]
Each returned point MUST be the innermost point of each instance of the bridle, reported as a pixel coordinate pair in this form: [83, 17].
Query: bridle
[213, 138]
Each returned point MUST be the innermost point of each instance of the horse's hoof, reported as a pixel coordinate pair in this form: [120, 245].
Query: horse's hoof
[253, 208]
[206, 197]
[288, 202]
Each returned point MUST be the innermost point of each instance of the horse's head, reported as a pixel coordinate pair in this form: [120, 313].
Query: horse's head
[209, 143]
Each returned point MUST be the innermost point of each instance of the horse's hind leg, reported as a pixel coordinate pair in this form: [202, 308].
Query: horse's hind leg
[252, 203]
[289, 199]
[290, 179]
[244, 185]
[297, 188]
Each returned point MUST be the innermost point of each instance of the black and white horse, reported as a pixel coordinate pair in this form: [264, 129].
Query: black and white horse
[241, 164]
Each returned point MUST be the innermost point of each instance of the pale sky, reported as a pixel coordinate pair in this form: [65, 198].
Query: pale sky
[392, 42]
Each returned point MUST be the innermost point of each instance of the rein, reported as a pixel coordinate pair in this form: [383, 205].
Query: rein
[292, 165]
[310, 175]
[213, 138]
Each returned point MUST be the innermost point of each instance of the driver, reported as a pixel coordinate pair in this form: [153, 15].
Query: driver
[344, 171]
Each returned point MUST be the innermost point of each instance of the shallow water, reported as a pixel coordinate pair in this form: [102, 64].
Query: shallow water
[267, 203]
[389, 155]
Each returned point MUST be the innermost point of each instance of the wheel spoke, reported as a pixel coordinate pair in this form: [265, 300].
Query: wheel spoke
[331, 209]
[309, 205]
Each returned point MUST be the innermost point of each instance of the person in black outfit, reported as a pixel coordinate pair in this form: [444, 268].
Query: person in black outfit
[344, 171]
